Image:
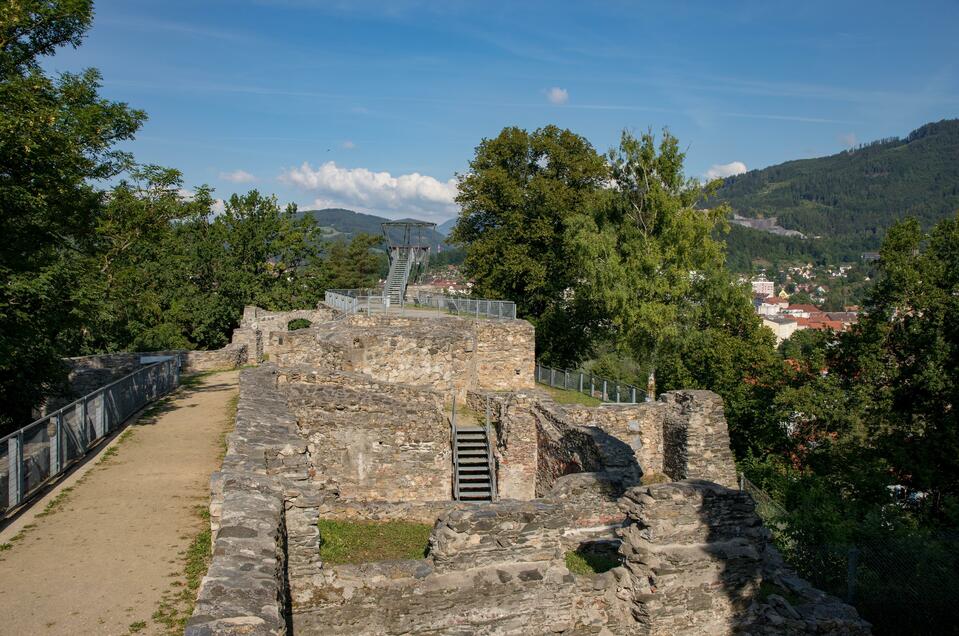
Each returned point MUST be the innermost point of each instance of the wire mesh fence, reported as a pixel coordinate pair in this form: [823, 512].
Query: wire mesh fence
[376, 301]
[36, 453]
[594, 386]
[902, 582]
[478, 307]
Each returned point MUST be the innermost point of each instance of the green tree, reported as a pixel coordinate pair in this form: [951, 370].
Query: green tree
[902, 361]
[522, 200]
[57, 136]
[649, 261]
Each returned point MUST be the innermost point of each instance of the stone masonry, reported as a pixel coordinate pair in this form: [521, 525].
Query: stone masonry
[350, 420]
[697, 555]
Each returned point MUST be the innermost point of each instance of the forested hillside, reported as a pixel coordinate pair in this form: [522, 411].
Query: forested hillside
[339, 221]
[847, 200]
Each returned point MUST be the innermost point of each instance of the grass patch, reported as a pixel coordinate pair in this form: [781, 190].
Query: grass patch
[177, 603]
[561, 396]
[56, 503]
[137, 626]
[589, 562]
[5, 546]
[366, 541]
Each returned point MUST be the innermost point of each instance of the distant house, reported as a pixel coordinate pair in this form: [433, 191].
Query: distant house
[763, 287]
[782, 326]
[870, 256]
[800, 311]
[769, 306]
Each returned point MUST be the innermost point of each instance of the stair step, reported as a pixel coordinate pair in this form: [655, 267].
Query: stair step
[474, 480]
[471, 437]
[471, 452]
[474, 496]
[474, 467]
[481, 461]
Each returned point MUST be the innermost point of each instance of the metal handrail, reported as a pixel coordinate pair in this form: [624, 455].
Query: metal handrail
[489, 454]
[94, 416]
[612, 392]
[456, 461]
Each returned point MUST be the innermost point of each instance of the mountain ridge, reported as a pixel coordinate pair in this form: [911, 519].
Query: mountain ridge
[846, 201]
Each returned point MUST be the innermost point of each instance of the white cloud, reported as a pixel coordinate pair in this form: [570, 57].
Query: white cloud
[848, 140]
[723, 170]
[557, 95]
[348, 145]
[403, 195]
[238, 176]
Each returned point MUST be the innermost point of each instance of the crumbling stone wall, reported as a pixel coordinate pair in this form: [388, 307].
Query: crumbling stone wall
[638, 425]
[696, 438]
[445, 353]
[245, 590]
[257, 324]
[697, 555]
[494, 569]
[514, 440]
[370, 440]
[537, 441]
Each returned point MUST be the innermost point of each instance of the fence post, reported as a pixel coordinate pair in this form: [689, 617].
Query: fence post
[851, 567]
[580, 381]
[56, 443]
[742, 481]
[552, 377]
[15, 470]
[605, 395]
[592, 385]
[565, 380]
[617, 393]
[633, 395]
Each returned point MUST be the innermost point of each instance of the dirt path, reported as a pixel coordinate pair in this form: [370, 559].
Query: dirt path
[115, 546]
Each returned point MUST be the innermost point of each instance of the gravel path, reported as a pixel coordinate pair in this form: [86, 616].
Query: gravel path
[114, 548]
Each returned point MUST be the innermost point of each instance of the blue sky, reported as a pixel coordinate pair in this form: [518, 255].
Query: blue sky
[376, 106]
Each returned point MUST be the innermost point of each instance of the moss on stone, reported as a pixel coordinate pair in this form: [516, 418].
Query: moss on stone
[589, 562]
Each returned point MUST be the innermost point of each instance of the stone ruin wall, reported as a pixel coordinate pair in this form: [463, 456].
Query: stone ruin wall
[449, 354]
[536, 441]
[369, 440]
[257, 324]
[318, 438]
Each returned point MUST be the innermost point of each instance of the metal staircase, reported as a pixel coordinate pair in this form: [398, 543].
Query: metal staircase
[474, 475]
[400, 266]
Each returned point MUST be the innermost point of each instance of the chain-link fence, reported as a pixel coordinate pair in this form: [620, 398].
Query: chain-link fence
[902, 582]
[594, 386]
[40, 451]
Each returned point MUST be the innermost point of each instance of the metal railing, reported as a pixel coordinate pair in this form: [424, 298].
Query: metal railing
[38, 452]
[594, 386]
[477, 307]
[377, 301]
